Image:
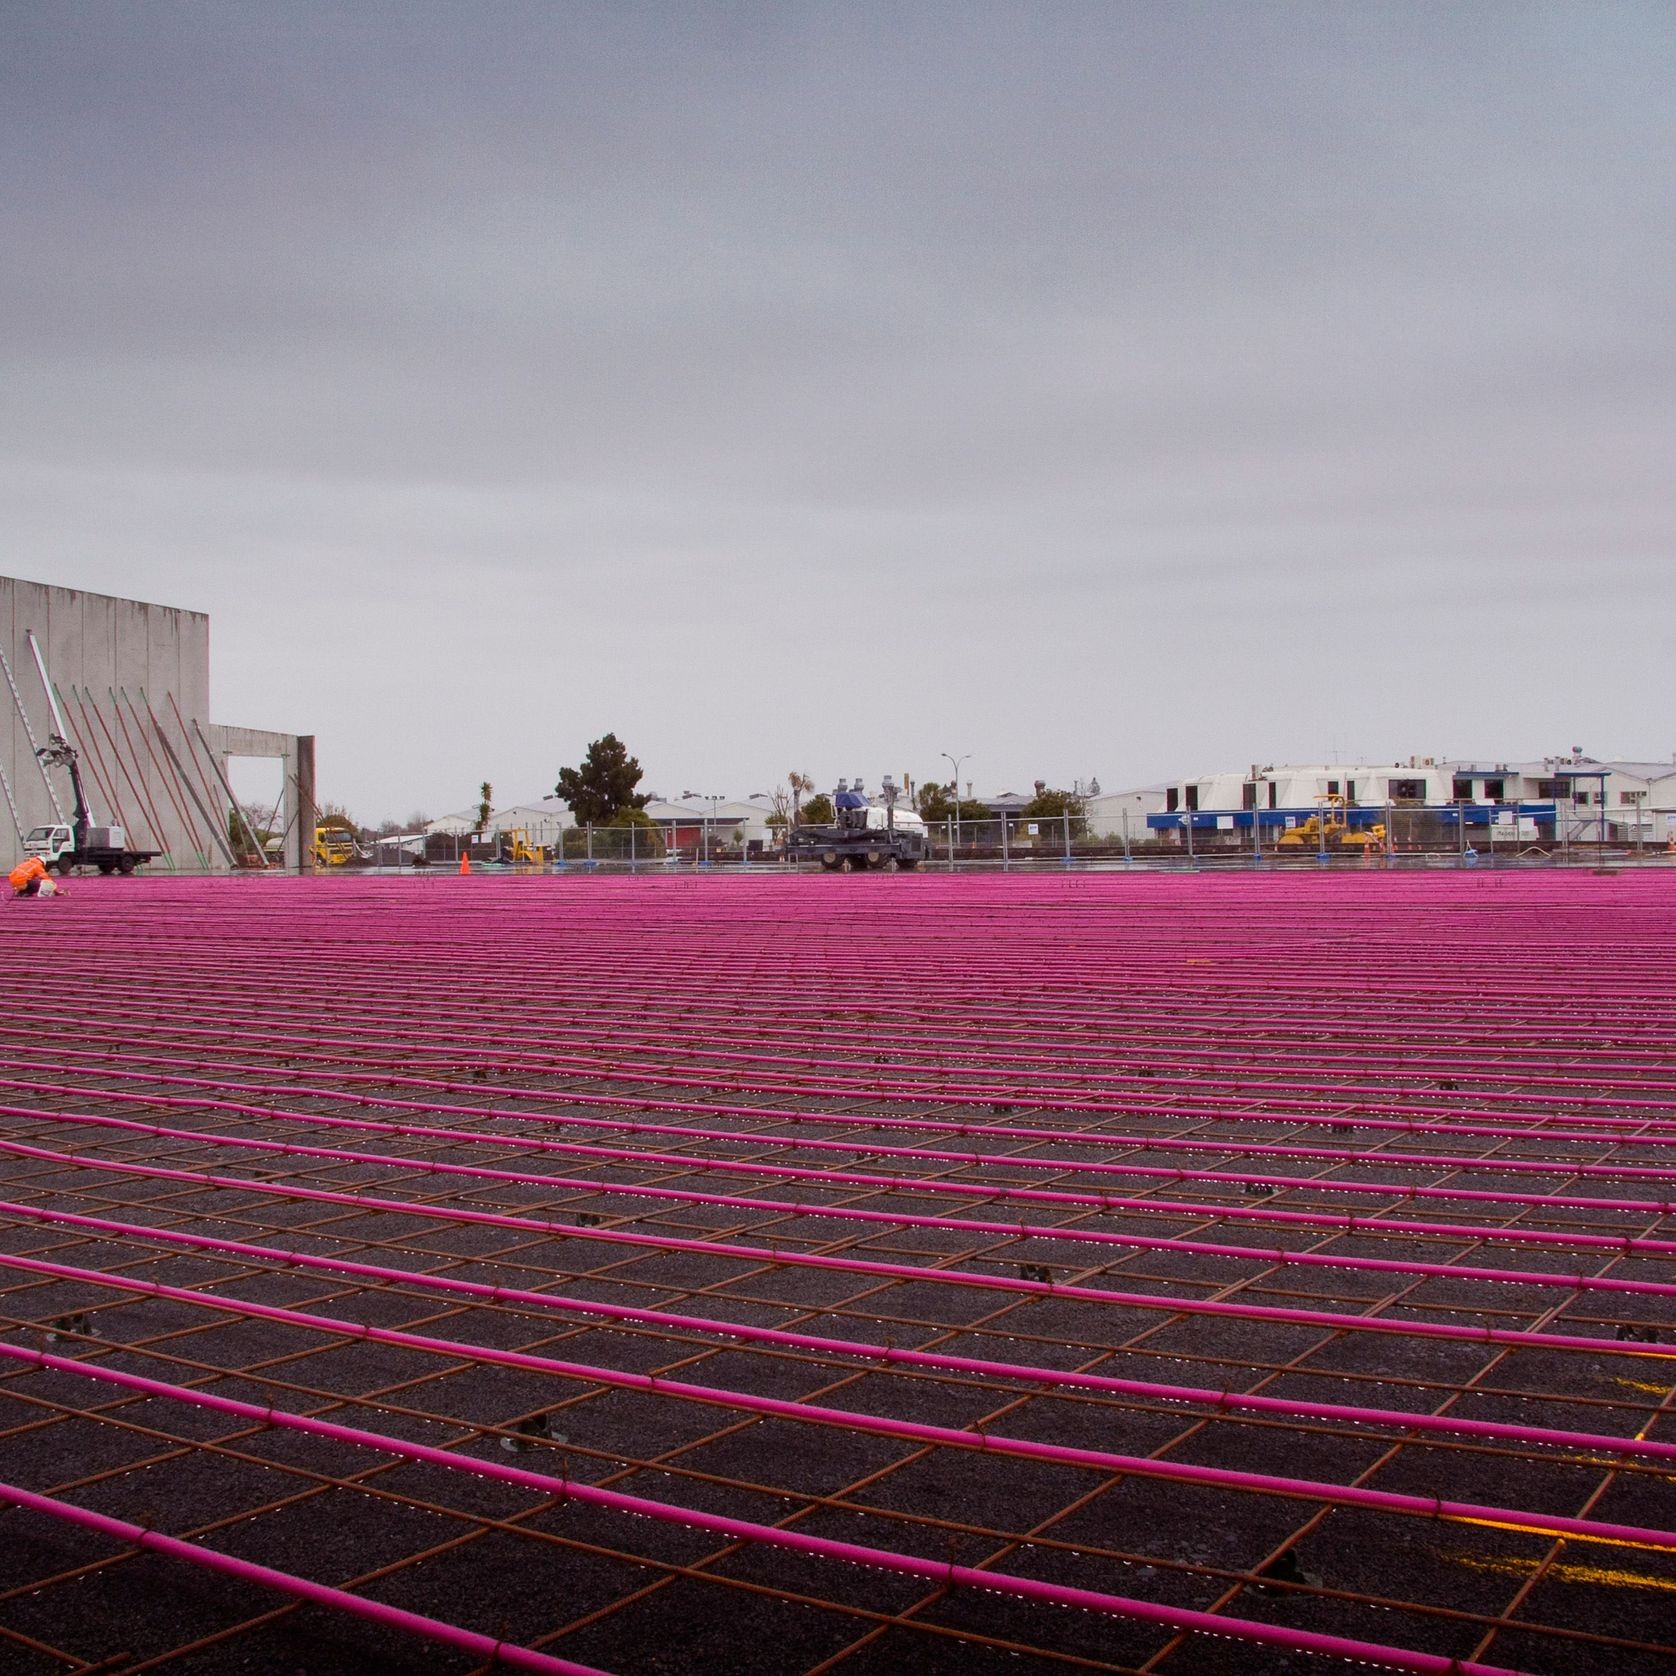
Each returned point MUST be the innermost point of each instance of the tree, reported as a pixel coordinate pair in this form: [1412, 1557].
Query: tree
[933, 801]
[936, 805]
[393, 828]
[486, 807]
[788, 799]
[1053, 806]
[801, 785]
[258, 820]
[603, 787]
[818, 811]
[333, 816]
[648, 838]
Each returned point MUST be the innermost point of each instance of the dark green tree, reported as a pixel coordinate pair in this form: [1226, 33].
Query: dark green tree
[818, 811]
[603, 787]
[648, 838]
[936, 804]
[933, 801]
[1052, 806]
[486, 807]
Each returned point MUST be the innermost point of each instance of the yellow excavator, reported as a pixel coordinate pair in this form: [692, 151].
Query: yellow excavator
[1330, 827]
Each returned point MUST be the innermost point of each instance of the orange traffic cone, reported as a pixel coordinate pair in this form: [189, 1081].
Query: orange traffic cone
[465, 864]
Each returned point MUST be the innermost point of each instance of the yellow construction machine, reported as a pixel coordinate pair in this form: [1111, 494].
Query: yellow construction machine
[1330, 827]
[516, 848]
[333, 846]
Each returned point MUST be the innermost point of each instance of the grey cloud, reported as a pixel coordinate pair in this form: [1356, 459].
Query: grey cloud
[1073, 375]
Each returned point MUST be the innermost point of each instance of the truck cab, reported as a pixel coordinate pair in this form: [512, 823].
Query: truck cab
[50, 843]
[333, 847]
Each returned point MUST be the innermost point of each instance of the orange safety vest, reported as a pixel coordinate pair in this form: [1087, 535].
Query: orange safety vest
[31, 867]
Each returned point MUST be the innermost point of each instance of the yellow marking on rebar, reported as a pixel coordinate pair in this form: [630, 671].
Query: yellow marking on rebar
[1640, 1436]
[1555, 1536]
[1607, 1577]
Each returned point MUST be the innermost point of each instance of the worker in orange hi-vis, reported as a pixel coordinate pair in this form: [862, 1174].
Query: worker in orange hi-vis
[31, 878]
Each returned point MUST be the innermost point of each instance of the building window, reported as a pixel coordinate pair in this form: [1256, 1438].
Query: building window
[1550, 788]
[1460, 787]
[1172, 800]
[1274, 797]
[1631, 796]
[1332, 788]
[1192, 796]
[1579, 796]
[1349, 791]
[1400, 791]
[1495, 790]
[1248, 797]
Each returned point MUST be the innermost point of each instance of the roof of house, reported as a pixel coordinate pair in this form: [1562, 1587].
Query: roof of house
[462, 820]
[665, 813]
[1156, 790]
[465, 820]
[548, 809]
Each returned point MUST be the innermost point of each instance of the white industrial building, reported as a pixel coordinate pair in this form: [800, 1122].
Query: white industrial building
[542, 822]
[1122, 814]
[727, 821]
[1574, 797]
[1612, 801]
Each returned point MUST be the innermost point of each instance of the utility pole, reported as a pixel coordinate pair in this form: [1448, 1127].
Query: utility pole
[954, 786]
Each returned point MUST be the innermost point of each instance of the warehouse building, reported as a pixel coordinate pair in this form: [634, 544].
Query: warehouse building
[720, 822]
[1572, 797]
[131, 681]
[543, 823]
[1123, 814]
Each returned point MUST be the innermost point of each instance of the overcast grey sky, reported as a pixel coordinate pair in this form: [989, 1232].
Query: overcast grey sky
[1123, 389]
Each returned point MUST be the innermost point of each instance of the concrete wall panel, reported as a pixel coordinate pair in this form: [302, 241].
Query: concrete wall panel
[112, 651]
[101, 625]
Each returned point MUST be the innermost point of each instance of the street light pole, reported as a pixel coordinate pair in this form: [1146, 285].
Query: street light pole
[955, 762]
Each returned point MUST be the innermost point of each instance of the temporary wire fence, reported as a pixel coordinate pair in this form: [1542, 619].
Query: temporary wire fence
[1263, 1272]
[1392, 837]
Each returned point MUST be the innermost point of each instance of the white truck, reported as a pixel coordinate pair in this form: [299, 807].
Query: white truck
[104, 847]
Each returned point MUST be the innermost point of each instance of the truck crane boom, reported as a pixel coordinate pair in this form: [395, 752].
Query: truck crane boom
[81, 844]
[58, 752]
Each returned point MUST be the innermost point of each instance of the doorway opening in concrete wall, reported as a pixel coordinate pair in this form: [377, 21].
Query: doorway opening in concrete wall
[260, 811]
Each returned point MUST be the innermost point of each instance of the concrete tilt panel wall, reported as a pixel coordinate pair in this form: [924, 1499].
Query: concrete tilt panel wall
[132, 683]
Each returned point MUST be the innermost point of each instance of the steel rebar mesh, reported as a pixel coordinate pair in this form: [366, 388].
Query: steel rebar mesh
[780, 1274]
